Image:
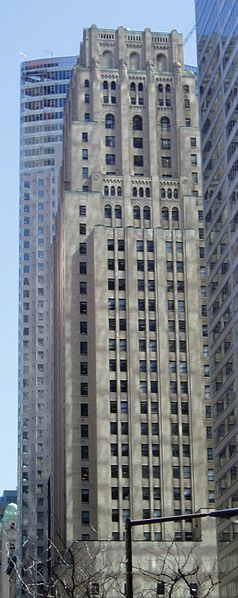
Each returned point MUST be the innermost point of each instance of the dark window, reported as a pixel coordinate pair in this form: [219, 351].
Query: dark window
[84, 452]
[138, 161]
[110, 121]
[82, 248]
[110, 159]
[137, 123]
[84, 431]
[83, 307]
[83, 348]
[138, 142]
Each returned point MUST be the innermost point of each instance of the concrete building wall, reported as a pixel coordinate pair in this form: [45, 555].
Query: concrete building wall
[131, 307]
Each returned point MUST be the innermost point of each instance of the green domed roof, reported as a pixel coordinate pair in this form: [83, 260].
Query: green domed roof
[10, 512]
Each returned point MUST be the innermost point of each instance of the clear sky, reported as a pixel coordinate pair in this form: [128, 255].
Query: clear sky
[36, 29]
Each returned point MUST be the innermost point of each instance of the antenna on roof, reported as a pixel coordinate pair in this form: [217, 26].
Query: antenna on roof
[51, 54]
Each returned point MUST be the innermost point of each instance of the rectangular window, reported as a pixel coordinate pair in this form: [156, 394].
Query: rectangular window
[166, 143]
[84, 136]
[110, 141]
[84, 153]
[138, 142]
[110, 159]
[87, 98]
[193, 141]
[87, 116]
[166, 162]
[82, 229]
[194, 159]
[138, 161]
[84, 368]
[194, 178]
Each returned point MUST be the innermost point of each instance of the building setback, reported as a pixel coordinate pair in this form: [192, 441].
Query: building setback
[132, 401]
[44, 85]
[217, 28]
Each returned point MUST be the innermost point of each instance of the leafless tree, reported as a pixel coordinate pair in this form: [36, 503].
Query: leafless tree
[90, 570]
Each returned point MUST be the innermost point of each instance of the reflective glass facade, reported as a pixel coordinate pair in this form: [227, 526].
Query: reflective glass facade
[217, 29]
[44, 85]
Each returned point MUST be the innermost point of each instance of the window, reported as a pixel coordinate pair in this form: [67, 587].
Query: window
[118, 212]
[165, 124]
[194, 178]
[193, 141]
[84, 136]
[83, 348]
[84, 368]
[187, 122]
[110, 121]
[84, 452]
[137, 123]
[110, 159]
[85, 517]
[84, 154]
[82, 248]
[83, 327]
[138, 161]
[194, 160]
[82, 229]
[138, 142]
[87, 98]
[165, 143]
[166, 162]
[112, 385]
[83, 268]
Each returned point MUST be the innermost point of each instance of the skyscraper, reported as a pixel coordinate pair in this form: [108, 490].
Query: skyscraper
[44, 85]
[132, 405]
[217, 30]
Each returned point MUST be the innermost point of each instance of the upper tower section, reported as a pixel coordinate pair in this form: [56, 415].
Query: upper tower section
[134, 49]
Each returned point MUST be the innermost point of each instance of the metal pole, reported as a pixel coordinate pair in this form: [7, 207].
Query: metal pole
[129, 581]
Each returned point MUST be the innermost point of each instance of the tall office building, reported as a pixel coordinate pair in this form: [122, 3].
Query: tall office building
[132, 405]
[44, 85]
[217, 31]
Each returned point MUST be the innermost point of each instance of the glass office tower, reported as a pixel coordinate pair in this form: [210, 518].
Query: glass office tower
[217, 30]
[44, 85]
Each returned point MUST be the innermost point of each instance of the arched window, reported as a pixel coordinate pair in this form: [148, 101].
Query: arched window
[132, 86]
[107, 211]
[169, 193]
[160, 88]
[110, 121]
[137, 123]
[165, 214]
[141, 192]
[107, 59]
[134, 192]
[136, 213]
[113, 85]
[147, 192]
[106, 190]
[119, 191]
[140, 87]
[86, 82]
[118, 212]
[105, 84]
[175, 215]
[146, 213]
[162, 193]
[167, 88]
[165, 124]
[113, 191]
[134, 61]
[161, 62]
[175, 193]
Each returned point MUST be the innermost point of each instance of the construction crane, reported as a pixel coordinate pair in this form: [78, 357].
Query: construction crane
[191, 31]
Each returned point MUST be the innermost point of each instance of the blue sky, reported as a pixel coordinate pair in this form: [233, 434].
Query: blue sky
[37, 29]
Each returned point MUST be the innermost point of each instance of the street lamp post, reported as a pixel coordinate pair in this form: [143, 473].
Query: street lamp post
[220, 513]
